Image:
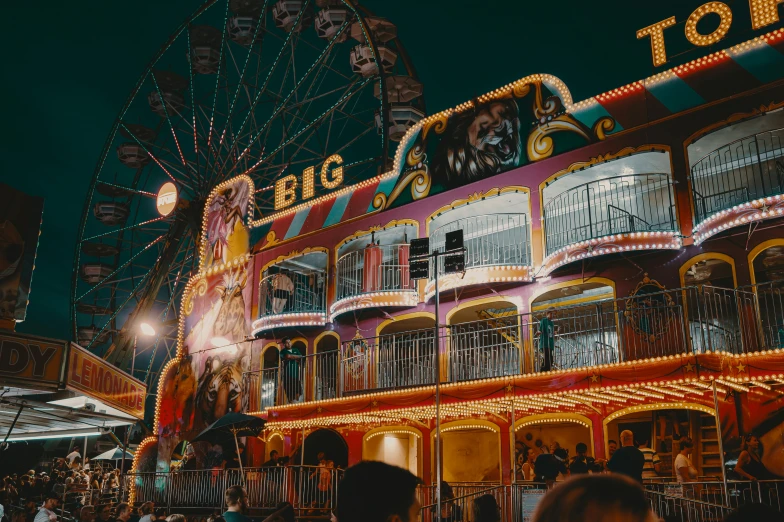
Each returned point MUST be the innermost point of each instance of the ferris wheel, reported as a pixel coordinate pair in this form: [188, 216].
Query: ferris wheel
[252, 87]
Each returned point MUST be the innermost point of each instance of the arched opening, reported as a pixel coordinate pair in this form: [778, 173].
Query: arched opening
[484, 339]
[712, 269]
[766, 263]
[572, 325]
[268, 382]
[397, 445]
[560, 433]
[660, 427]
[405, 351]
[324, 441]
[274, 443]
[471, 451]
[325, 366]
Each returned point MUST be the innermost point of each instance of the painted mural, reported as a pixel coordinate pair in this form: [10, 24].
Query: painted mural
[208, 379]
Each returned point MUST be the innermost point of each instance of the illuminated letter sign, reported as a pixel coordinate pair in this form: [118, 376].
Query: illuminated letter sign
[286, 187]
[167, 199]
[763, 13]
[702, 40]
[656, 32]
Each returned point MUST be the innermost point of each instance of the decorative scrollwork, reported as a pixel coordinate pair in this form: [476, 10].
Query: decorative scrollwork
[650, 310]
[602, 127]
[540, 144]
[200, 288]
[438, 123]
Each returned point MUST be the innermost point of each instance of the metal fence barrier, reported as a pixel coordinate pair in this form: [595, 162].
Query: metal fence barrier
[739, 172]
[616, 205]
[312, 490]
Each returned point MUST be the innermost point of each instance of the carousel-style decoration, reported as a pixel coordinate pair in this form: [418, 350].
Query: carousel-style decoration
[382, 299]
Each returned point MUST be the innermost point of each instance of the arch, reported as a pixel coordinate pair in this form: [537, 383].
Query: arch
[330, 442]
[274, 441]
[572, 282]
[376, 228]
[302, 340]
[757, 250]
[477, 196]
[402, 317]
[398, 430]
[512, 299]
[271, 345]
[737, 117]
[703, 257]
[469, 424]
[326, 333]
[651, 407]
[549, 418]
[292, 255]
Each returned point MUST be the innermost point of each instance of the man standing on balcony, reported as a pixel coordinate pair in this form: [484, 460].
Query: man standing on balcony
[547, 340]
[290, 358]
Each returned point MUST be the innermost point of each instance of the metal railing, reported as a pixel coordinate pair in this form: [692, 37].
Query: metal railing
[310, 489]
[288, 292]
[650, 324]
[375, 268]
[489, 240]
[737, 173]
[459, 506]
[388, 361]
[616, 205]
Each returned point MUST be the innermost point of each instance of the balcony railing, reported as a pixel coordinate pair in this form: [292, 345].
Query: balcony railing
[611, 206]
[740, 172]
[292, 292]
[658, 323]
[396, 360]
[376, 268]
[490, 240]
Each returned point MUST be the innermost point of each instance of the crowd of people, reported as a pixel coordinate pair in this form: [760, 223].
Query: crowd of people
[593, 490]
[634, 459]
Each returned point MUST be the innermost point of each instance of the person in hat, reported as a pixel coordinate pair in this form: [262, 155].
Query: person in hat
[46, 512]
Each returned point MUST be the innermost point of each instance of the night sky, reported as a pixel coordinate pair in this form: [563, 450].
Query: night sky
[68, 67]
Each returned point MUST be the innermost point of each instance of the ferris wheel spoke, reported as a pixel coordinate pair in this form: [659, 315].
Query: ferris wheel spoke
[129, 227]
[217, 81]
[240, 81]
[286, 142]
[273, 66]
[168, 118]
[128, 262]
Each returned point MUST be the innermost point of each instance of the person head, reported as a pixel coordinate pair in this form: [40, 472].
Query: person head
[321, 457]
[598, 498]
[52, 501]
[18, 515]
[377, 492]
[531, 455]
[549, 313]
[612, 446]
[160, 514]
[686, 445]
[87, 514]
[176, 517]
[581, 449]
[216, 518]
[627, 438]
[644, 443]
[273, 455]
[103, 512]
[486, 509]
[446, 491]
[286, 342]
[751, 443]
[236, 499]
[146, 509]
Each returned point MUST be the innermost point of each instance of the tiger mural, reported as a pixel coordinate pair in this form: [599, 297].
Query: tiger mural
[220, 390]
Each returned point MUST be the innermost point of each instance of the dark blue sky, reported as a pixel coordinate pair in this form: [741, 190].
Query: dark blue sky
[68, 67]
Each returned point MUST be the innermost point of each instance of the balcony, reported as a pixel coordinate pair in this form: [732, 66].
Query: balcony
[376, 276]
[738, 183]
[293, 293]
[498, 250]
[608, 215]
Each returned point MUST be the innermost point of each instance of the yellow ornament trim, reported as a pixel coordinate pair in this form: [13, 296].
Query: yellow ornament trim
[293, 254]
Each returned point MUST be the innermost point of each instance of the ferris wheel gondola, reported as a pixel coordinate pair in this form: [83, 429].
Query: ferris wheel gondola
[255, 87]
